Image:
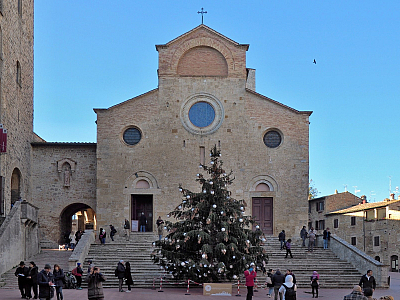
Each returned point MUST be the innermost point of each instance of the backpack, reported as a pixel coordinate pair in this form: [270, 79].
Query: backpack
[116, 272]
[290, 293]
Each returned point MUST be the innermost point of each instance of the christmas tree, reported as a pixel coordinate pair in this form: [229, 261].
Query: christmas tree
[212, 239]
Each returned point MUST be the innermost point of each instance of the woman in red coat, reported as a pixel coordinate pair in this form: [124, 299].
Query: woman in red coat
[250, 275]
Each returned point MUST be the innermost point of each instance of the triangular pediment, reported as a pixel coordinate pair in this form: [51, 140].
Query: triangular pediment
[205, 29]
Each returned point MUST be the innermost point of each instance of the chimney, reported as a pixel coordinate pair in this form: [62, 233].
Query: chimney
[392, 196]
[364, 199]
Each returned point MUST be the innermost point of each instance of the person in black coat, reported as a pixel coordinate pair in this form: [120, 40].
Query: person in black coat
[22, 273]
[128, 276]
[46, 283]
[277, 280]
[32, 280]
[120, 273]
[59, 276]
[368, 281]
[142, 222]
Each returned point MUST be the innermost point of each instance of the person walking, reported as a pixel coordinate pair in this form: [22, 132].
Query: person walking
[90, 266]
[289, 272]
[113, 231]
[355, 294]
[128, 276]
[288, 289]
[32, 280]
[288, 246]
[368, 292]
[277, 280]
[269, 283]
[367, 281]
[72, 240]
[282, 238]
[102, 236]
[326, 237]
[120, 273]
[59, 277]
[250, 275]
[311, 239]
[22, 273]
[78, 272]
[46, 283]
[314, 284]
[142, 222]
[95, 281]
[160, 227]
[127, 229]
[303, 235]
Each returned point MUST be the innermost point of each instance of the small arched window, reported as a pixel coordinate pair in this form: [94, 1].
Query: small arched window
[20, 7]
[18, 73]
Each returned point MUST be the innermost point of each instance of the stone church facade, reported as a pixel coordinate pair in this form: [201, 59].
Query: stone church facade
[148, 145]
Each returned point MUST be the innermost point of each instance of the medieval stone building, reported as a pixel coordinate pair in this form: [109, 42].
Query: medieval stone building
[148, 145]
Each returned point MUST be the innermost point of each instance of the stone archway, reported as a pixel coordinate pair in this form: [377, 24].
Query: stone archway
[76, 216]
[15, 186]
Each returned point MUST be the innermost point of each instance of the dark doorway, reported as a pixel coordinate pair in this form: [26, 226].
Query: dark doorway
[263, 213]
[143, 203]
[394, 263]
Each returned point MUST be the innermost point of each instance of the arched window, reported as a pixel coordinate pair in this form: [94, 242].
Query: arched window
[20, 7]
[18, 73]
[1, 39]
[15, 186]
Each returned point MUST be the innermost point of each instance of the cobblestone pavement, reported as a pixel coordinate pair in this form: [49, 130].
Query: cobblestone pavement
[196, 293]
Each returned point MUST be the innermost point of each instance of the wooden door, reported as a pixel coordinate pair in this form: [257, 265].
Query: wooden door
[143, 203]
[263, 213]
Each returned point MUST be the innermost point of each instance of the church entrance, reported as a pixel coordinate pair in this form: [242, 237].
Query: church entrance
[262, 209]
[143, 203]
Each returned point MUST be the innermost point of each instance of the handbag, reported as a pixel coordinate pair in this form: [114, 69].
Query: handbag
[268, 280]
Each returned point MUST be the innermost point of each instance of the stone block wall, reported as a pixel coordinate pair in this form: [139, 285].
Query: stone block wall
[16, 95]
[19, 238]
[50, 192]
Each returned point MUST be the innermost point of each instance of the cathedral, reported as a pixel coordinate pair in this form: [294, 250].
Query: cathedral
[150, 144]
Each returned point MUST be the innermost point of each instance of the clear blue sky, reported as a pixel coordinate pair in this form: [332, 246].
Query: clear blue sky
[95, 53]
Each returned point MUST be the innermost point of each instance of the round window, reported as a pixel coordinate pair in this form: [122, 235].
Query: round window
[201, 114]
[272, 139]
[132, 136]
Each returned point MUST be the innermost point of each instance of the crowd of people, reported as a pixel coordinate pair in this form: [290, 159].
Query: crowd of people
[49, 283]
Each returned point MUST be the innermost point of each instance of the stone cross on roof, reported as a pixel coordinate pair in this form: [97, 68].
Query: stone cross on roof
[202, 12]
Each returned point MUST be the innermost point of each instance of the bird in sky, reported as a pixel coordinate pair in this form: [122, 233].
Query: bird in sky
[315, 62]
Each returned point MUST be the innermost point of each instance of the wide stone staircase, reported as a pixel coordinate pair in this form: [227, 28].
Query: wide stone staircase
[334, 273]
[137, 252]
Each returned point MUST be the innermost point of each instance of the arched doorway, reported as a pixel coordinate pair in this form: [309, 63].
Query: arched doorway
[394, 263]
[74, 217]
[15, 186]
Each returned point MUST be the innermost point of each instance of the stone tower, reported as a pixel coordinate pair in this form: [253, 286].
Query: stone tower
[16, 100]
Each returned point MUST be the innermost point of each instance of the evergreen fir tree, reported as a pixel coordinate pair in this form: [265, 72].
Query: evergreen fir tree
[211, 240]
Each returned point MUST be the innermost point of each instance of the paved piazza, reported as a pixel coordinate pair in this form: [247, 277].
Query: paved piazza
[196, 293]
